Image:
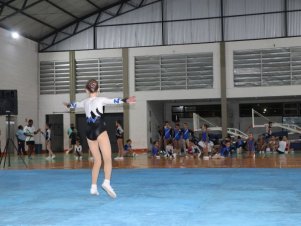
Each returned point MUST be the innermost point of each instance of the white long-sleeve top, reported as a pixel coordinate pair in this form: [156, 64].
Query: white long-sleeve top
[94, 105]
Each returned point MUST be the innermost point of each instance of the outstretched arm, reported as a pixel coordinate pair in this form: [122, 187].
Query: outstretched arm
[74, 105]
[129, 100]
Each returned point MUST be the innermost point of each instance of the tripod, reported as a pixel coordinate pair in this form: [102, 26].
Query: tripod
[6, 152]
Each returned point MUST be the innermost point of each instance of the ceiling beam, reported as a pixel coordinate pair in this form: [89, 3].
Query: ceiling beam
[81, 19]
[16, 12]
[60, 8]
[24, 4]
[76, 23]
[92, 3]
[36, 19]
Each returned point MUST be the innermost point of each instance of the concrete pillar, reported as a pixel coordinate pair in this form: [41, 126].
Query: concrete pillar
[223, 89]
[126, 92]
[72, 83]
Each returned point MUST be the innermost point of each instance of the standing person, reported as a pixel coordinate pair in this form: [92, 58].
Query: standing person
[187, 135]
[21, 140]
[167, 133]
[119, 138]
[177, 136]
[160, 137]
[47, 136]
[29, 132]
[250, 145]
[204, 142]
[69, 131]
[72, 139]
[97, 135]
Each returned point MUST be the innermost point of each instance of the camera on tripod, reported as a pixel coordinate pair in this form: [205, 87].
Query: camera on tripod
[9, 107]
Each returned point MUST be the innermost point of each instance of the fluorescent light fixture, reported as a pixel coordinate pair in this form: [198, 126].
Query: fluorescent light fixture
[15, 35]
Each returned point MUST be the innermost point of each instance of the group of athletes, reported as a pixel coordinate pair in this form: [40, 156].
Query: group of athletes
[177, 141]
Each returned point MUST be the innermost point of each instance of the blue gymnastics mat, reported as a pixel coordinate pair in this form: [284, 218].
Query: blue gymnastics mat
[152, 197]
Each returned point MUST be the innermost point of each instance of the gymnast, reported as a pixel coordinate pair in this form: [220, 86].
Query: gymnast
[97, 135]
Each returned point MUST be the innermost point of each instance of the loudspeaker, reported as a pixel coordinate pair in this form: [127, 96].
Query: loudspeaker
[8, 102]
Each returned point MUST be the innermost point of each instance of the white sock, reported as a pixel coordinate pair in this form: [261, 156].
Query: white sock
[106, 181]
[94, 186]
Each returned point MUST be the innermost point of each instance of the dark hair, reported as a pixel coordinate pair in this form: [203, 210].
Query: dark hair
[92, 86]
[49, 125]
[20, 127]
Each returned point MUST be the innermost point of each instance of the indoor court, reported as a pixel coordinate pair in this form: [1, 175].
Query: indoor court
[150, 112]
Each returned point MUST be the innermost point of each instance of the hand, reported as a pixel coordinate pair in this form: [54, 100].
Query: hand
[131, 100]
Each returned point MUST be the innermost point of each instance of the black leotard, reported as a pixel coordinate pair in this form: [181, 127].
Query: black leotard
[94, 114]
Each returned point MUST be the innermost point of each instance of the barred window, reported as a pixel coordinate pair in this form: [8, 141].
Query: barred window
[267, 67]
[107, 71]
[172, 72]
[54, 77]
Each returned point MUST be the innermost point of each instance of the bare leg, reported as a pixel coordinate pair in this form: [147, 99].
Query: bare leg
[120, 147]
[93, 145]
[105, 147]
[30, 150]
[48, 147]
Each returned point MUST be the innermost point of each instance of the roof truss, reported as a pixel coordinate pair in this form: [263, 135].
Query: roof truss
[92, 21]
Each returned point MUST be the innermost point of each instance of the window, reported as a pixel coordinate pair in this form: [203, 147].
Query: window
[54, 77]
[173, 72]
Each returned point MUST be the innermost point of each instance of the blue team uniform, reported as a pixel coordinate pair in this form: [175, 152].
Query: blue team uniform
[177, 134]
[155, 151]
[225, 151]
[186, 134]
[167, 133]
[251, 145]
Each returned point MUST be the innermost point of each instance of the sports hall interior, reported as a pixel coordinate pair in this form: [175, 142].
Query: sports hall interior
[234, 65]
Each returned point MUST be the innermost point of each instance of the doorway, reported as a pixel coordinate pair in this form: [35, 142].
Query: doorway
[57, 131]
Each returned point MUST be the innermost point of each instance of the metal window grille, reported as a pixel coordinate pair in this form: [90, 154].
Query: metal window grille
[173, 72]
[54, 77]
[107, 71]
[267, 67]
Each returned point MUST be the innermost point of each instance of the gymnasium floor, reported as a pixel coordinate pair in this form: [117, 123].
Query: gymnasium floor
[186, 191]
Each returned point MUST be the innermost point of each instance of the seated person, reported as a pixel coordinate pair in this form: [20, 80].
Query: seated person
[193, 149]
[155, 149]
[128, 151]
[169, 149]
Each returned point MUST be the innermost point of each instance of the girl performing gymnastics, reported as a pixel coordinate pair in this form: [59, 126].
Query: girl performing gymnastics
[97, 135]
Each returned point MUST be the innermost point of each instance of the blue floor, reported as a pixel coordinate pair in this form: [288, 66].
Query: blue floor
[152, 197]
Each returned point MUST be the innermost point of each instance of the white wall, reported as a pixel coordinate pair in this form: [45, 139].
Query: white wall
[233, 92]
[138, 112]
[50, 104]
[19, 70]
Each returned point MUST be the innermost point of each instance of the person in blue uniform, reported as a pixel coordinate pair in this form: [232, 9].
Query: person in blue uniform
[167, 133]
[187, 134]
[177, 137]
